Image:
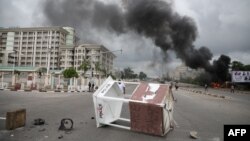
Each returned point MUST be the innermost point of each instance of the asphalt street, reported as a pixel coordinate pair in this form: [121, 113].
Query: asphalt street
[193, 112]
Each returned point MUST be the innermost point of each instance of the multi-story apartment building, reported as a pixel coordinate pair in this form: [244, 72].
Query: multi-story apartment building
[74, 57]
[50, 47]
[35, 47]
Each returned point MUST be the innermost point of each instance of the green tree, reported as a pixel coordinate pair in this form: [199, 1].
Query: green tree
[142, 76]
[100, 69]
[247, 67]
[128, 73]
[236, 66]
[70, 73]
[84, 66]
[135, 75]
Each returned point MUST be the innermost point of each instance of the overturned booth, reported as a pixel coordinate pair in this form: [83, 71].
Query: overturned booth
[150, 107]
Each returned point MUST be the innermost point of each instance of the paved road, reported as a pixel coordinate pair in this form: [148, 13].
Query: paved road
[207, 114]
[204, 114]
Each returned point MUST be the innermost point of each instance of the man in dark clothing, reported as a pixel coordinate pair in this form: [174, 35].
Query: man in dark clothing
[176, 86]
[89, 86]
[93, 86]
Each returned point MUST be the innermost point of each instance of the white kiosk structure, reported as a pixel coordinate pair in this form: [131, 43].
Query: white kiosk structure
[150, 107]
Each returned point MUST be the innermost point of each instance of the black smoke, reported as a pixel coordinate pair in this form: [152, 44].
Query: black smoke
[169, 31]
[220, 69]
[217, 72]
[154, 19]
[85, 16]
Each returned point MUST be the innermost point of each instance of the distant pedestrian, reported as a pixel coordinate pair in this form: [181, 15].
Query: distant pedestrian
[92, 81]
[232, 88]
[171, 85]
[93, 87]
[206, 87]
[89, 86]
[121, 86]
[171, 92]
[176, 86]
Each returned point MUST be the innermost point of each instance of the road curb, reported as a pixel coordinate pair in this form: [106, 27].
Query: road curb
[204, 93]
[51, 91]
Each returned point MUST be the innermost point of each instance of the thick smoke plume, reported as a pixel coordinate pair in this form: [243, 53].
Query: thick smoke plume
[170, 31]
[154, 19]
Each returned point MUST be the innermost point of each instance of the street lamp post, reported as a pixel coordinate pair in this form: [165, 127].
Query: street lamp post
[48, 69]
[2, 73]
[13, 67]
[46, 81]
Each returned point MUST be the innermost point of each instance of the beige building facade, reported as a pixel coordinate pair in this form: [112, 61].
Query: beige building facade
[183, 71]
[94, 53]
[34, 47]
[51, 47]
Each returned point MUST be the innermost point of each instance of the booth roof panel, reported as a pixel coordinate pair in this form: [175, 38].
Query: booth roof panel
[155, 97]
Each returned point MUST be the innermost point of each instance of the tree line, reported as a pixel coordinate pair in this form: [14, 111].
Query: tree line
[126, 73]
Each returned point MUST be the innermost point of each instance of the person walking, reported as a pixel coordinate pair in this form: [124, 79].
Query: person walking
[93, 86]
[171, 85]
[92, 82]
[176, 86]
[121, 86]
[89, 86]
[206, 87]
[232, 88]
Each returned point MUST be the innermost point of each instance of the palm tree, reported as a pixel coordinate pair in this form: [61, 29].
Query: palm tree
[98, 70]
[85, 66]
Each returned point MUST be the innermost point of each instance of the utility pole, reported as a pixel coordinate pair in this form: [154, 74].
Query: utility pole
[46, 81]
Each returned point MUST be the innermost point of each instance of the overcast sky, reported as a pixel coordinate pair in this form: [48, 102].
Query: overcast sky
[223, 26]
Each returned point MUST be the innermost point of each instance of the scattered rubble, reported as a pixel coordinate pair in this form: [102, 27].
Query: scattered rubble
[68, 132]
[60, 137]
[39, 121]
[42, 129]
[193, 134]
[66, 124]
